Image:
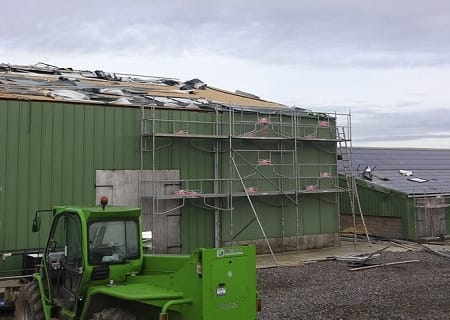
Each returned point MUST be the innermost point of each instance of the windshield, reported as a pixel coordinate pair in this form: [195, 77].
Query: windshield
[113, 241]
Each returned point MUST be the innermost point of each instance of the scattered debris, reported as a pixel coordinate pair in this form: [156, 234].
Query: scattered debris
[418, 180]
[264, 162]
[367, 173]
[194, 84]
[362, 260]
[383, 265]
[442, 253]
[328, 290]
[265, 124]
[181, 132]
[67, 84]
[402, 246]
[187, 193]
[67, 94]
[324, 123]
[359, 259]
[170, 82]
[436, 243]
[263, 120]
[122, 101]
[111, 91]
[247, 94]
[406, 173]
[325, 175]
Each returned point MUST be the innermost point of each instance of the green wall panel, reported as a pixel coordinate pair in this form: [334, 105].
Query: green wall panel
[380, 201]
[49, 154]
[327, 211]
[50, 151]
[311, 215]
[292, 218]
[197, 228]
[269, 213]
[315, 214]
[10, 213]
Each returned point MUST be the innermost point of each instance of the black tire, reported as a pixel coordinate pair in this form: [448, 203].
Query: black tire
[114, 314]
[29, 304]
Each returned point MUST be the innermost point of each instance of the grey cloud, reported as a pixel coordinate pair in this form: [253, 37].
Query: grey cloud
[337, 33]
[399, 137]
[382, 126]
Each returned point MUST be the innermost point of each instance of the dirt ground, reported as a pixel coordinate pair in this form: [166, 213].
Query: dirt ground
[329, 290]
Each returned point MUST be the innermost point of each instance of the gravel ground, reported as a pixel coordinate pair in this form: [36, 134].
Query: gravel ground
[329, 290]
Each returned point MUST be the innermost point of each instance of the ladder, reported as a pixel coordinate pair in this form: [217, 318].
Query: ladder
[347, 170]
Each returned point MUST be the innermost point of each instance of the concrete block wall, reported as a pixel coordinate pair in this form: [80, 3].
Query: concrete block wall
[313, 241]
[384, 227]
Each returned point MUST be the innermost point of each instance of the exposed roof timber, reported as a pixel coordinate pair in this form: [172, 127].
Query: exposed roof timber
[37, 82]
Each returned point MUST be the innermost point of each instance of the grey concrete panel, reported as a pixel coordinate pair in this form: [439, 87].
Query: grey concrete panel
[120, 186]
[313, 241]
[138, 188]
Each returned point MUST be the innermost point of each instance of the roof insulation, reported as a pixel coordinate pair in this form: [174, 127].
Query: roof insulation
[43, 82]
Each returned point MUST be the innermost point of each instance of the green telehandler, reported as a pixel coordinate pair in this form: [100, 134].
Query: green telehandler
[94, 267]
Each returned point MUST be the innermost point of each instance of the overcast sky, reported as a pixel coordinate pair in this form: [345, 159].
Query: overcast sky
[388, 61]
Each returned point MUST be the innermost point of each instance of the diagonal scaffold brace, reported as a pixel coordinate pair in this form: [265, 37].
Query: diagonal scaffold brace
[256, 215]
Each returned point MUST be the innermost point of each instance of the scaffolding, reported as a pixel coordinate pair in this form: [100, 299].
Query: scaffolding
[256, 153]
[346, 158]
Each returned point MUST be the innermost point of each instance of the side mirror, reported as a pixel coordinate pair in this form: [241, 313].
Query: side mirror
[36, 224]
[37, 219]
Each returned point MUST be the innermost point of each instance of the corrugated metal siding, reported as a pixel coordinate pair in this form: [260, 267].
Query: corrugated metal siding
[315, 214]
[328, 210]
[53, 149]
[50, 153]
[195, 160]
[269, 213]
[385, 203]
[197, 228]
[311, 218]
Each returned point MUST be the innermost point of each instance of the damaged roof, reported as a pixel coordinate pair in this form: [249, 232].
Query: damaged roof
[43, 82]
[411, 171]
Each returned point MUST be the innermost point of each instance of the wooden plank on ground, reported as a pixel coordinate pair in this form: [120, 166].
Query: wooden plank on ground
[383, 265]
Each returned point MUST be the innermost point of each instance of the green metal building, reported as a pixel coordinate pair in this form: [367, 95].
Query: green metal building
[404, 193]
[208, 167]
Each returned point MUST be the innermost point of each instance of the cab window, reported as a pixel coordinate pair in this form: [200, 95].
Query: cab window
[113, 241]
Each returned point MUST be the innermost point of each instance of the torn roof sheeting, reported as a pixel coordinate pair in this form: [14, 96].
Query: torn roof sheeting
[46, 82]
[429, 168]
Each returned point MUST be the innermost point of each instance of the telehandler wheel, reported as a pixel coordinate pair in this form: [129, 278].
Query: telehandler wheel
[29, 304]
[114, 314]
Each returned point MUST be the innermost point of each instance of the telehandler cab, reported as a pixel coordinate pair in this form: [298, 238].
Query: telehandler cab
[94, 267]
